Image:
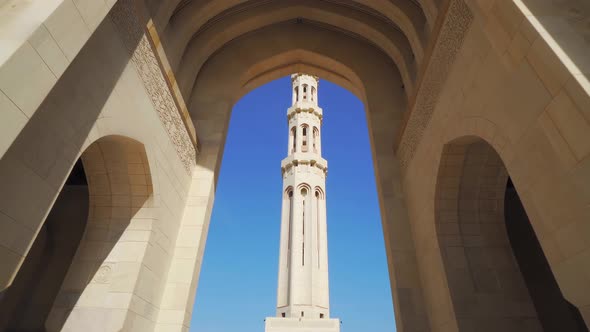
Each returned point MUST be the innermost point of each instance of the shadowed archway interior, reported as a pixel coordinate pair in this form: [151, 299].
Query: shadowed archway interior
[102, 194]
[498, 275]
[554, 311]
[25, 305]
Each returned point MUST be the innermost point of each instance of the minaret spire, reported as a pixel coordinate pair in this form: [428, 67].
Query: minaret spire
[303, 293]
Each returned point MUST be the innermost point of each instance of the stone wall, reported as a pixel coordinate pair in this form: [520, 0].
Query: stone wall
[72, 91]
[511, 86]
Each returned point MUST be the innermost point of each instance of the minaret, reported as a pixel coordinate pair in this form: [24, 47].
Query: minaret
[302, 295]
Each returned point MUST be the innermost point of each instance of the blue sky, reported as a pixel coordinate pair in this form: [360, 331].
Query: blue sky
[237, 287]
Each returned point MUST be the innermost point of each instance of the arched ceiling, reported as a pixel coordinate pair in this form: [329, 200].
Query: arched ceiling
[193, 32]
[220, 49]
[266, 54]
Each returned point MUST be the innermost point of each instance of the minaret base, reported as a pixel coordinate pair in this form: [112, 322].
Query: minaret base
[280, 324]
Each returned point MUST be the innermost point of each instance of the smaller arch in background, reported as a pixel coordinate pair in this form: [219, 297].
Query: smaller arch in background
[78, 248]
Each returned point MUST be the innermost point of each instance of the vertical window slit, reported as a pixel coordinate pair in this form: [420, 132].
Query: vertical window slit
[294, 139]
[304, 140]
[317, 210]
[304, 195]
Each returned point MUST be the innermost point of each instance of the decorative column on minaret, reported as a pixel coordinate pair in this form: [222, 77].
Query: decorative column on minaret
[302, 296]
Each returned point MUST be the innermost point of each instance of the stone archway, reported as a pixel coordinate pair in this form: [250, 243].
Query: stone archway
[87, 257]
[225, 78]
[103, 276]
[497, 274]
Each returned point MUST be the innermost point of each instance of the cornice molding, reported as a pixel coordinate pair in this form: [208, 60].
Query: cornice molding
[298, 110]
[310, 162]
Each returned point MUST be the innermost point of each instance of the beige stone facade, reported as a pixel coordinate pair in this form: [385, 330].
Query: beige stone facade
[473, 106]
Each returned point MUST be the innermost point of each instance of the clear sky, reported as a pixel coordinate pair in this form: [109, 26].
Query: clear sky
[238, 282]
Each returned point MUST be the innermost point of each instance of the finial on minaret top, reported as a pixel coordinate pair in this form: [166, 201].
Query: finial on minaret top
[305, 88]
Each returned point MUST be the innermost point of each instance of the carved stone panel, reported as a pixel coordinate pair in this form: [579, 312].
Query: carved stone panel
[134, 35]
[449, 42]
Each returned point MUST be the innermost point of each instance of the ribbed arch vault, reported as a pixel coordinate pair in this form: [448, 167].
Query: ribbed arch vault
[194, 32]
[386, 36]
[421, 12]
[192, 17]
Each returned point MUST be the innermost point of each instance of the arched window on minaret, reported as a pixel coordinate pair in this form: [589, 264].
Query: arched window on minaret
[292, 141]
[290, 220]
[304, 196]
[296, 95]
[313, 93]
[304, 144]
[317, 222]
[316, 136]
[319, 198]
[304, 91]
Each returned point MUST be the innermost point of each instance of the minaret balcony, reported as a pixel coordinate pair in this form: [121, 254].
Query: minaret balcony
[305, 158]
[305, 107]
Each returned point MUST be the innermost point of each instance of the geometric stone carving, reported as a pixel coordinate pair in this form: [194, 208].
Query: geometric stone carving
[448, 43]
[134, 36]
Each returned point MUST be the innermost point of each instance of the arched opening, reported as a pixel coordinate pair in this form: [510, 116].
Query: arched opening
[377, 83]
[303, 191]
[497, 273]
[236, 213]
[289, 203]
[81, 258]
